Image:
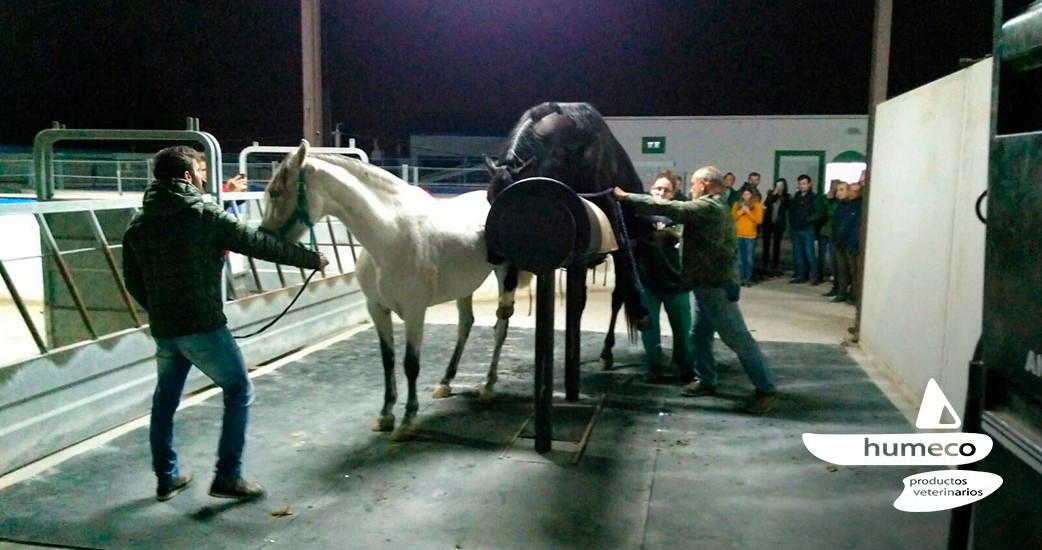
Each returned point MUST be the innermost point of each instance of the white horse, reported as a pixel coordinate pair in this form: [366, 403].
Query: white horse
[418, 251]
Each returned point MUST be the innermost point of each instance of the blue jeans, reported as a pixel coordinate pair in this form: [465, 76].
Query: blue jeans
[803, 255]
[218, 356]
[678, 310]
[715, 312]
[746, 247]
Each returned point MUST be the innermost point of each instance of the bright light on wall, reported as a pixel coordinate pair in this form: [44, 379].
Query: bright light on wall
[849, 172]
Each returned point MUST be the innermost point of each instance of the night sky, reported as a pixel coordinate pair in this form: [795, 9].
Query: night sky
[394, 68]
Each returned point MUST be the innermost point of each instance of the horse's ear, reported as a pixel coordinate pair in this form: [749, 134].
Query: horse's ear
[298, 158]
[490, 164]
[524, 166]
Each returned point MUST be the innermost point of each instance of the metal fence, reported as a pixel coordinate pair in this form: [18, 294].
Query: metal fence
[62, 270]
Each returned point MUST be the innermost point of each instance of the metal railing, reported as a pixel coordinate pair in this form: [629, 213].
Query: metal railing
[64, 284]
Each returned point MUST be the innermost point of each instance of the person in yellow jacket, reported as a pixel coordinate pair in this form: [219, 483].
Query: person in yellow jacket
[748, 214]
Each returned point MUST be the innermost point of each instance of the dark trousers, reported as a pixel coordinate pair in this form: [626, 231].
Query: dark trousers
[772, 238]
[846, 268]
[826, 258]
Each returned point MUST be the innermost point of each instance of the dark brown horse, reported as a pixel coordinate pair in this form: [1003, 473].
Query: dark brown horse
[571, 142]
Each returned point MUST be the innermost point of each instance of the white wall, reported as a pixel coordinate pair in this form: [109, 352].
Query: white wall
[924, 266]
[736, 144]
[21, 255]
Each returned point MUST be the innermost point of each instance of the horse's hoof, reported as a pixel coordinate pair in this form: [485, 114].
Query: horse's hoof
[486, 396]
[442, 391]
[384, 424]
[402, 433]
[607, 363]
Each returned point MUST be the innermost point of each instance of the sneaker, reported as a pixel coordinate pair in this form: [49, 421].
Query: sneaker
[838, 299]
[814, 282]
[697, 388]
[167, 491]
[831, 293]
[797, 280]
[238, 489]
[761, 403]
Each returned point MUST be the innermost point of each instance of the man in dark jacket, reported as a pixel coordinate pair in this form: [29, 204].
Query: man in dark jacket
[173, 256]
[805, 211]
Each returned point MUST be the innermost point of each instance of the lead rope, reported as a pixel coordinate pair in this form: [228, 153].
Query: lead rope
[626, 243]
[299, 214]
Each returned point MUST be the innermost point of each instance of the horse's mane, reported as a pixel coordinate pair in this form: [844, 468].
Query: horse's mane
[525, 142]
[362, 170]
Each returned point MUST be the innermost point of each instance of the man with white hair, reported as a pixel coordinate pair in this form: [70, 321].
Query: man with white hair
[710, 269]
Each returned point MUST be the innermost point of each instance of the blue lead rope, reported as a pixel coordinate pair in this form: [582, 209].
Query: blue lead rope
[623, 232]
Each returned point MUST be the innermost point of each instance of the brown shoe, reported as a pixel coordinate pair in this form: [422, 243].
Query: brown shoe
[238, 489]
[167, 491]
[761, 403]
[697, 388]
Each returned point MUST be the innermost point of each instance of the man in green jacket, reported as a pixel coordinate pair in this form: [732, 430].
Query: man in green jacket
[173, 256]
[710, 269]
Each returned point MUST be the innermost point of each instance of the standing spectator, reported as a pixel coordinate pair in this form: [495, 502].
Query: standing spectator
[804, 212]
[847, 240]
[729, 193]
[775, 213]
[753, 184]
[748, 215]
[826, 252]
[658, 265]
[709, 269]
[234, 184]
[173, 255]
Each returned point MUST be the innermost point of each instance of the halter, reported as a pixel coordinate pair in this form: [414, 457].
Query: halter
[300, 212]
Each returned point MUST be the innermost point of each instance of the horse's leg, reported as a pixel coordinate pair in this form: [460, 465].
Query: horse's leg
[466, 320]
[607, 358]
[381, 317]
[636, 314]
[507, 276]
[413, 341]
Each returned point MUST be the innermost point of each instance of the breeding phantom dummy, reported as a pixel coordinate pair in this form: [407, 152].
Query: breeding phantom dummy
[418, 251]
[570, 142]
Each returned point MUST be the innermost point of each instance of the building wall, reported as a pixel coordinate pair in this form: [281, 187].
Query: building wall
[736, 144]
[924, 261]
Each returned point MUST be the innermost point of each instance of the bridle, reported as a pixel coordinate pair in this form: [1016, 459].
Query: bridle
[299, 214]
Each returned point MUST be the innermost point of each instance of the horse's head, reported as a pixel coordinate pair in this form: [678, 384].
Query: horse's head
[501, 176]
[293, 205]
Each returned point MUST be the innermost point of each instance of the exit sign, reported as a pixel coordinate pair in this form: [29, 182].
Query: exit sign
[653, 145]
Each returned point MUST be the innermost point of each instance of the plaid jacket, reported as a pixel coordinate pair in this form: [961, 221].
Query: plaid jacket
[173, 256]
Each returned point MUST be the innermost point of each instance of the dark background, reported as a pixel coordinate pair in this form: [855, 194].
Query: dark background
[394, 68]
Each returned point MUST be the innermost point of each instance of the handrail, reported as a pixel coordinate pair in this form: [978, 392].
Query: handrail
[256, 148]
[43, 151]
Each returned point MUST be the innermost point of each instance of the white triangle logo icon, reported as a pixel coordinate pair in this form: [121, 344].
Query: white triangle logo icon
[932, 409]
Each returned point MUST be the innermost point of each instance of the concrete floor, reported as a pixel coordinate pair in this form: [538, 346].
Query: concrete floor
[660, 471]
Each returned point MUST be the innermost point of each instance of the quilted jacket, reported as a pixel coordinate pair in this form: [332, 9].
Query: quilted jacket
[173, 256]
